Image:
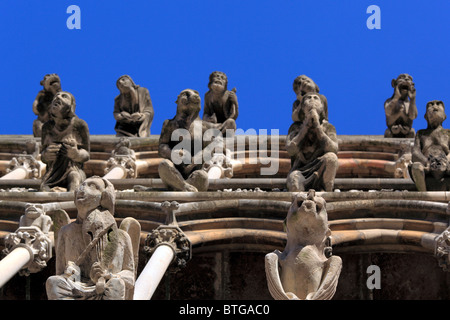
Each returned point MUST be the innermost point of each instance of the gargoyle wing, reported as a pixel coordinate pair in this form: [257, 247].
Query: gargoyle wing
[273, 279]
[133, 228]
[328, 286]
[60, 218]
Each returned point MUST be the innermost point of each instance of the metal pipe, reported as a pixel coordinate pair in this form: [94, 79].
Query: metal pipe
[13, 263]
[153, 272]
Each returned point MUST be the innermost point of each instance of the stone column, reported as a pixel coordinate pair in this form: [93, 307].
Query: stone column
[166, 245]
[24, 167]
[28, 250]
[220, 166]
[122, 163]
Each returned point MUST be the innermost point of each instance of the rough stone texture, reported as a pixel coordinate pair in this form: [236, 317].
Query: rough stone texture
[312, 145]
[133, 109]
[221, 105]
[308, 271]
[94, 258]
[65, 145]
[400, 109]
[181, 167]
[430, 169]
[51, 85]
[301, 86]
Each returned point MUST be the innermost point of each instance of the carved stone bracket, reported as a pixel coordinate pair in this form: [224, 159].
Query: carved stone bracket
[26, 162]
[221, 162]
[126, 162]
[442, 249]
[171, 235]
[36, 242]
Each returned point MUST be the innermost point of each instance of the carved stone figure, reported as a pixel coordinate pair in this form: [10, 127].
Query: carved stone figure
[221, 105]
[41, 104]
[312, 145]
[430, 169]
[35, 217]
[302, 85]
[65, 145]
[95, 260]
[400, 109]
[133, 109]
[181, 168]
[308, 270]
[33, 234]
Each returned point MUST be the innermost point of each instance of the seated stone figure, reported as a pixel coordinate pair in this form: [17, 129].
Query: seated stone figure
[302, 85]
[133, 109]
[221, 105]
[312, 146]
[65, 145]
[181, 168]
[400, 109]
[430, 168]
[51, 85]
[95, 260]
[308, 270]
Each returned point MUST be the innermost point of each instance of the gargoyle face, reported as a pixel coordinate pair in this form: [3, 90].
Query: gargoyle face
[304, 84]
[89, 194]
[33, 210]
[435, 113]
[188, 102]
[307, 218]
[404, 82]
[124, 83]
[52, 83]
[312, 101]
[218, 81]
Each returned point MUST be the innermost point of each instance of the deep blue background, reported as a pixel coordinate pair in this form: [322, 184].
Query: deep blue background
[168, 46]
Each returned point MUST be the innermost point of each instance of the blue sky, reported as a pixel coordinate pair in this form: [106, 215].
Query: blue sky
[168, 46]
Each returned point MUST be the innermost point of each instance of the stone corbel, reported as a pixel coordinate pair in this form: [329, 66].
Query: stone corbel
[28, 163]
[442, 249]
[219, 166]
[170, 235]
[38, 244]
[126, 162]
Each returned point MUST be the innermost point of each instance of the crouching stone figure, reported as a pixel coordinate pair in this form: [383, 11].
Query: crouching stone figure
[308, 271]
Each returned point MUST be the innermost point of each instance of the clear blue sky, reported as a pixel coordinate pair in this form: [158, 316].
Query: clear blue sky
[167, 46]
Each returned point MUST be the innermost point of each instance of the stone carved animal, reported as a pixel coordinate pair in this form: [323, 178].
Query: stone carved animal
[308, 271]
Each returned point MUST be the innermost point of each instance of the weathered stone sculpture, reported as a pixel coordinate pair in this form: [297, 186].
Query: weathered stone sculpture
[308, 270]
[221, 105]
[181, 168]
[65, 145]
[95, 260]
[430, 168]
[312, 145]
[33, 234]
[41, 104]
[133, 109]
[302, 85]
[400, 109]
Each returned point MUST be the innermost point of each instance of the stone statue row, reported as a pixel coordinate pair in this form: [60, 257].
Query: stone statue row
[133, 108]
[312, 143]
[311, 140]
[98, 260]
